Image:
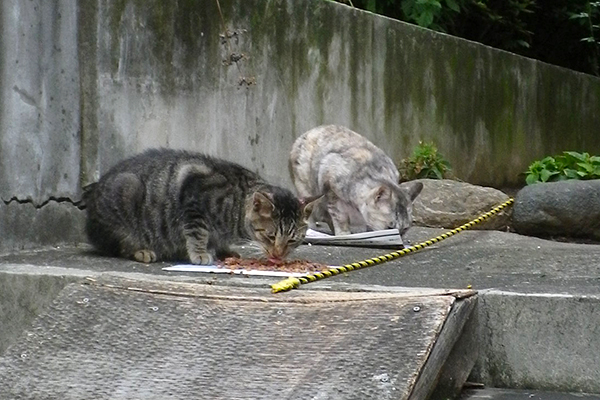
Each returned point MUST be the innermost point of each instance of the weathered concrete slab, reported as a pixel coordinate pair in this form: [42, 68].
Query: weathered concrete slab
[462, 358]
[522, 394]
[535, 293]
[84, 84]
[40, 106]
[552, 340]
[22, 298]
[25, 225]
[146, 339]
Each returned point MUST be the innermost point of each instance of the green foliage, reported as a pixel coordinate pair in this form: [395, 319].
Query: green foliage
[430, 13]
[494, 22]
[589, 19]
[426, 162]
[500, 23]
[569, 165]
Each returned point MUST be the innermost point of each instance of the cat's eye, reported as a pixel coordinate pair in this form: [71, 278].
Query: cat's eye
[270, 236]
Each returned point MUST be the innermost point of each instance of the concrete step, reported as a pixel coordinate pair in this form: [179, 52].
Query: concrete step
[538, 300]
[516, 394]
[115, 338]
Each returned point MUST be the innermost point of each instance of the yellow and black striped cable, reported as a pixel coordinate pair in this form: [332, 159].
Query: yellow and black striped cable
[293, 282]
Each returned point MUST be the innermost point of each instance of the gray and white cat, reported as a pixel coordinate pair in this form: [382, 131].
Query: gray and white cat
[177, 205]
[359, 182]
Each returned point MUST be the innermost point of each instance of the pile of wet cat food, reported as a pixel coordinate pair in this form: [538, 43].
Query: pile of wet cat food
[268, 265]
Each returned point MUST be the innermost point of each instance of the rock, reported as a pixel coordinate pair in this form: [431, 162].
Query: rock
[448, 204]
[567, 208]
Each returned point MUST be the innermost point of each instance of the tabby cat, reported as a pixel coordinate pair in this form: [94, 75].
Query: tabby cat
[358, 180]
[177, 205]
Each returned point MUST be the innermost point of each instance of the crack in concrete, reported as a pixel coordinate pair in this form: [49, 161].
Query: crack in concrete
[79, 204]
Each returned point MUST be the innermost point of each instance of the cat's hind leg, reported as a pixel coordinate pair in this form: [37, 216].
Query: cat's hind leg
[114, 218]
[145, 256]
[131, 249]
[338, 212]
[128, 191]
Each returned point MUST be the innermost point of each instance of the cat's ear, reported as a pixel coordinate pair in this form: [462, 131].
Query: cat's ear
[262, 204]
[382, 193]
[412, 189]
[307, 205]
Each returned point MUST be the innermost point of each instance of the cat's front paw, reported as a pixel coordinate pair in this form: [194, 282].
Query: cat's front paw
[202, 258]
[145, 256]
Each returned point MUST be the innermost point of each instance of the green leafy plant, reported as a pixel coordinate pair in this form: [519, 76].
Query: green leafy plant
[569, 165]
[426, 162]
[426, 13]
[589, 19]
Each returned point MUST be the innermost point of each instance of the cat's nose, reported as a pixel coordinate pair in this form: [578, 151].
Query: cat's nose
[278, 253]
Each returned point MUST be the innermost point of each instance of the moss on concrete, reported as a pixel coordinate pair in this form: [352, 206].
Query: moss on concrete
[153, 73]
[487, 110]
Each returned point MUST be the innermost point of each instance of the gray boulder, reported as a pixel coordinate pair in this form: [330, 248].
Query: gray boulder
[568, 208]
[448, 204]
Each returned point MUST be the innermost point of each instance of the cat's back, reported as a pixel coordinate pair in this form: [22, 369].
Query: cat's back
[158, 175]
[330, 151]
[168, 165]
[139, 202]
[314, 145]
[153, 161]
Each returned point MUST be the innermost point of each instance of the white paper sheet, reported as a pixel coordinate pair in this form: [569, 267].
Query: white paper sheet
[222, 270]
[383, 238]
[389, 238]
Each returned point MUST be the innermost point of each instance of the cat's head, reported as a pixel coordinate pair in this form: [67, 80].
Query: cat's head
[389, 206]
[277, 220]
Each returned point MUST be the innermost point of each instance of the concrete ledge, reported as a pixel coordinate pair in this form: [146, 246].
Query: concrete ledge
[113, 337]
[23, 296]
[514, 394]
[549, 341]
[537, 310]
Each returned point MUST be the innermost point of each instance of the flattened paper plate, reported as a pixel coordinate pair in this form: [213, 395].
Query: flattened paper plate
[224, 270]
[388, 238]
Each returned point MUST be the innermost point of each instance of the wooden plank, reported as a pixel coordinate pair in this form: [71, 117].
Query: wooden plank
[460, 362]
[126, 339]
[305, 295]
[443, 345]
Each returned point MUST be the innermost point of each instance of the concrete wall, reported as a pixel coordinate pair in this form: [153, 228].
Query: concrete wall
[84, 84]
[542, 341]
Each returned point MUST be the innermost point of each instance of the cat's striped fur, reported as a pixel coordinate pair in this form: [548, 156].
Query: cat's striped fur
[177, 205]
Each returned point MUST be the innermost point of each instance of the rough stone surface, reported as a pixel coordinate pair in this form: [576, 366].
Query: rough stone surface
[23, 296]
[39, 100]
[542, 296]
[539, 341]
[228, 343]
[448, 204]
[523, 394]
[568, 208]
[25, 225]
